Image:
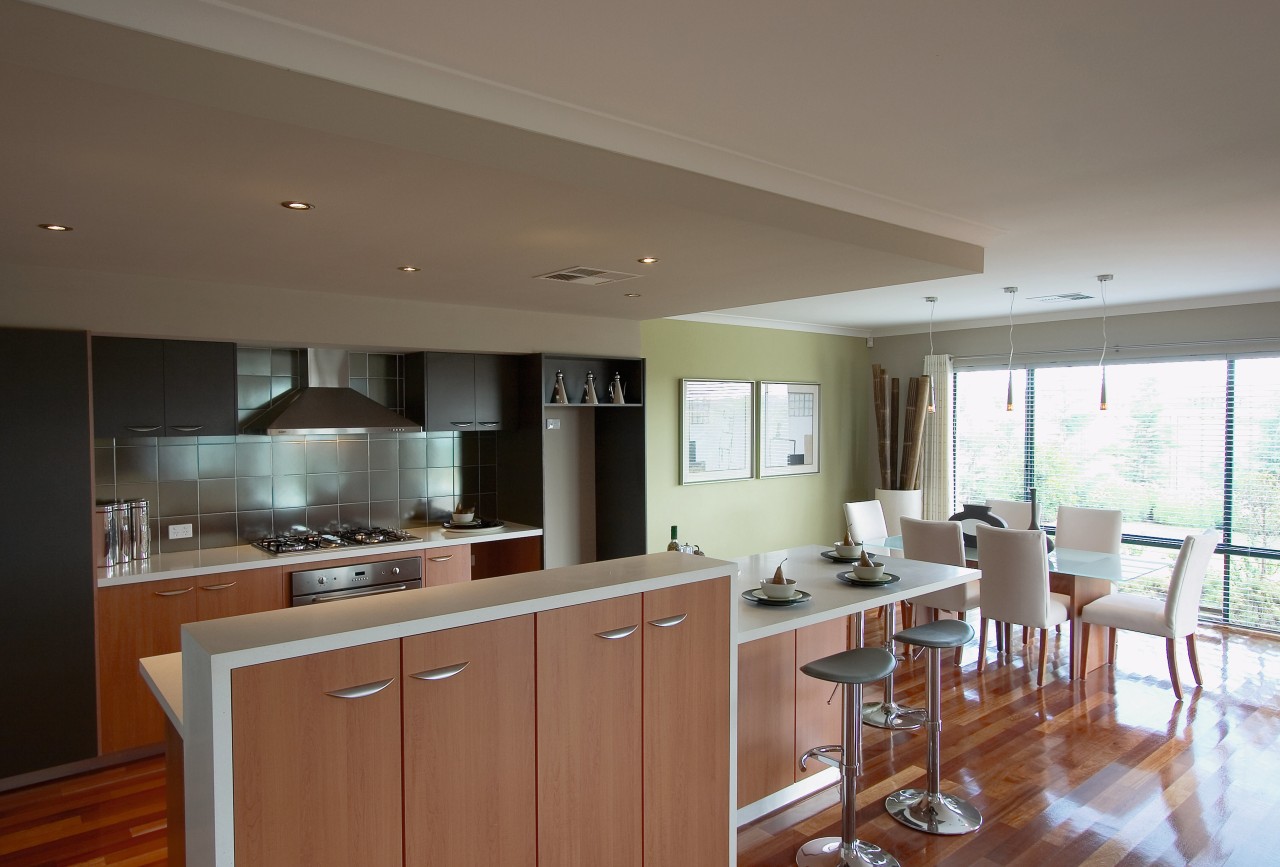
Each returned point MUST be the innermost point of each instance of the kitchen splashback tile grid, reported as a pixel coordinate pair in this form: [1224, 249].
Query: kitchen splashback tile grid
[238, 489]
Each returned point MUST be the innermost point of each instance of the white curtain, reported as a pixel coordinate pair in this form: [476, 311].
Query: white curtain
[937, 441]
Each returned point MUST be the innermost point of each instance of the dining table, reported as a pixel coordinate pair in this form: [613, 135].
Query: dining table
[1080, 575]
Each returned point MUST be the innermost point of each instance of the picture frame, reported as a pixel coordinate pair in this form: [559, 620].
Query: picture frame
[717, 430]
[790, 425]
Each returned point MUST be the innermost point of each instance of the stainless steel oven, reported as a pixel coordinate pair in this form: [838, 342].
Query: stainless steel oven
[352, 582]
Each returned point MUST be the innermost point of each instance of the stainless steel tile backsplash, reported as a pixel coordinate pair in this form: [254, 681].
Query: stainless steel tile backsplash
[238, 489]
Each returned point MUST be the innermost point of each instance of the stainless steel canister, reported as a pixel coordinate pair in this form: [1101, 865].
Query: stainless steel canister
[107, 526]
[139, 529]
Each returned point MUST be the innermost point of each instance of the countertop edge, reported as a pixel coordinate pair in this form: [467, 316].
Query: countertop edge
[163, 675]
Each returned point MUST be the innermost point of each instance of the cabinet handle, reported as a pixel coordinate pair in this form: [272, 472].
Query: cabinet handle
[142, 428]
[173, 592]
[488, 423]
[187, 428]
[674, 620]
[363, 690]
[441, 559]
[620, 632]
[462, 423]
[220, 586]
[440, 673]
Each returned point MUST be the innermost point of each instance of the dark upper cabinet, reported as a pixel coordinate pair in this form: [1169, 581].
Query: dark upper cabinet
[147, 387]
[457, 391]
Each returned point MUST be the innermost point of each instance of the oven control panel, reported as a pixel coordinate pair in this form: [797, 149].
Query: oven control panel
[355, 577]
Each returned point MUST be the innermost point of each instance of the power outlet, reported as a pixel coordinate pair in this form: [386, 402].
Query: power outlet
[179, 531]
[553, 424]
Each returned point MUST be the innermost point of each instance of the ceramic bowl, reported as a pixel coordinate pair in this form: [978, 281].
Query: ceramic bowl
[869, 573]
[464, 517]
[778, 591]
[848, 552]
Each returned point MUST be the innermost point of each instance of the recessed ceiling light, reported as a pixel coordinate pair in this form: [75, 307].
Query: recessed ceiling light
[55, 227]
[297, 206]
[408, 268]
[632, 295]
[647, 260]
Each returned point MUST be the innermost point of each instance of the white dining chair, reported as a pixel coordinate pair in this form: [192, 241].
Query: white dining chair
[1095, 530]
[940, 542]
[1171, 619]
[1015, 586]
[865, 520]
[1015, 513]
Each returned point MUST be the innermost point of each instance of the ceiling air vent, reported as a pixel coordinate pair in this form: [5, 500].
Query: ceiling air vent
[1058, 299]
[586, 276]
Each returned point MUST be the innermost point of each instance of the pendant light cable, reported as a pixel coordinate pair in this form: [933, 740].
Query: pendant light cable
[1102, 290]
[933, 303]
[1011, 291]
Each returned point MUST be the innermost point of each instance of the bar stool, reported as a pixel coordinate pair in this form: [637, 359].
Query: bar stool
[887, 713]
[928, 809]
[852, 668]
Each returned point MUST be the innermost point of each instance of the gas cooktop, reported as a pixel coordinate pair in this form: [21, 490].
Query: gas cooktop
[307, 541]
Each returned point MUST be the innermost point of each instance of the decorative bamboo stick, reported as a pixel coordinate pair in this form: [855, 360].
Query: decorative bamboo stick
[894, 462]
[882, 432]
[901, 475]
[915, 430]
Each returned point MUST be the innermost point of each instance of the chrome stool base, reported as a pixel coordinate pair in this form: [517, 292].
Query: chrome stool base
[933, 813]
[831, 852]
[891, 715]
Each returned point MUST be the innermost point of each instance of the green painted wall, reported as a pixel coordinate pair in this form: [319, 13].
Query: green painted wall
[729, 519]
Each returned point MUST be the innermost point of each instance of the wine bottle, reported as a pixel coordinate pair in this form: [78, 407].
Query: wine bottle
[673, 545]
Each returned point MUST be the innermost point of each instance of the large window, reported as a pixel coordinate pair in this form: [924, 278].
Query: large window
[1183, 446]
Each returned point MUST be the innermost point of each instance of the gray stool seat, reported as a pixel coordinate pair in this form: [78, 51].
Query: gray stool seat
[860, 665]
[938, 633]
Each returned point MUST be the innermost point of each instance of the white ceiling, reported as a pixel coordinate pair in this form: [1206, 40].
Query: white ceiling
[1141, 139]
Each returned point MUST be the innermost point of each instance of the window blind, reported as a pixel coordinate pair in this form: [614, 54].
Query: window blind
[1184, 446]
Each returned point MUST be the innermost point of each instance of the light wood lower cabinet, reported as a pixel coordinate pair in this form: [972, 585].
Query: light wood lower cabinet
[145, 619]
[686, 725]
[589, 734]
[782, 712]
[317, 760]
[766, 716]
[470, 783]
[451, 565]
[819, 717]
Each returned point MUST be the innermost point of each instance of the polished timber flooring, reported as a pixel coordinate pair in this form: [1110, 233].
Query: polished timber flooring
[1109, 770]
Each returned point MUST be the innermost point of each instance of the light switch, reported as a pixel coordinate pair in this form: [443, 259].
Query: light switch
[553, 424]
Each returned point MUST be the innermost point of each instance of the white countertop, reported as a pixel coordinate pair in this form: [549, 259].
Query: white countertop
[816, 575]
[188, 564]
[164, 675]
[290, 632]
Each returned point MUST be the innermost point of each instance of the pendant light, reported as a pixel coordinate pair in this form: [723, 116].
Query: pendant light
[933, 303]
[1102, 289]
[1011, 291]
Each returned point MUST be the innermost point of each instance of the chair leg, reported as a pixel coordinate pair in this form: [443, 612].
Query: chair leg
[1191, 654]
[1008, 638]
[1044, 649]
[1111, 645]
[999, 637]
[1026, 634]
[1084, 650]
[982, 642]
[1173, 667]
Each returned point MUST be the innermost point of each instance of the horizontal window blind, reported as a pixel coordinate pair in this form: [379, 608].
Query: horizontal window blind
[1183, 446]
[1253, 510]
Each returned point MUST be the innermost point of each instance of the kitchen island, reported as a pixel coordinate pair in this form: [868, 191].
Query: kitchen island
[677, 712]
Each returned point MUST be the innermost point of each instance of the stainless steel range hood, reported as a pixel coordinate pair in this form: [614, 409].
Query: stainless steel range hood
[326, 404]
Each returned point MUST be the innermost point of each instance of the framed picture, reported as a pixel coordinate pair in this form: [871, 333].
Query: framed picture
[716, 430]
[789, 427]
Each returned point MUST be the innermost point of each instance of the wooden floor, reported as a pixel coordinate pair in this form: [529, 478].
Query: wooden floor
[1111, 770]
